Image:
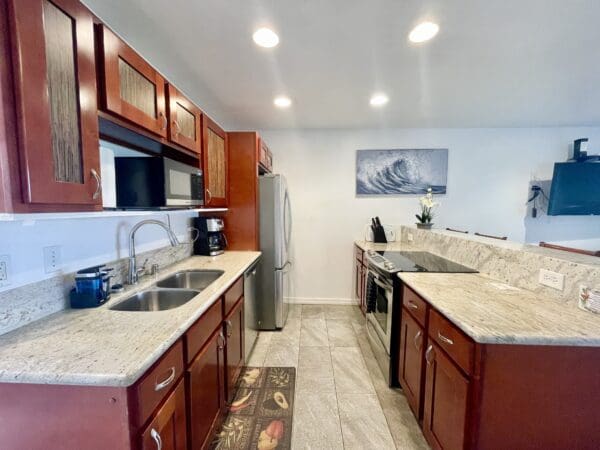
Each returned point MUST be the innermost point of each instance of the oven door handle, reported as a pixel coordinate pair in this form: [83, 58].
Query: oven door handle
[385, 286]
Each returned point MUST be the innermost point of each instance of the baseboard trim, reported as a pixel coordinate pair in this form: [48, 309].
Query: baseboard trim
[320, 301]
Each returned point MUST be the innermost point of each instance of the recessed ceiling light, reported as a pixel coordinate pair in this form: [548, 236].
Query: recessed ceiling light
[265, 37]
[282, 102]
[423, 32]
[379, 100]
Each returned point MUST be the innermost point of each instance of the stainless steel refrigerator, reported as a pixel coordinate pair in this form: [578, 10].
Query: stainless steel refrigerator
[275, 234]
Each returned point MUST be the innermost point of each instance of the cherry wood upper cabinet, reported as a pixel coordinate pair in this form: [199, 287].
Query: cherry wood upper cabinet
[445, 405]
[57, 116]
[265, 157]
[215, 155]
[168, 429]
[132, 88]
[185, 121]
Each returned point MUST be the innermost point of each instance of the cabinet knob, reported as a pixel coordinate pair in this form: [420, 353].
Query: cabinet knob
[157, 439]
[98, 184]
[413, 305]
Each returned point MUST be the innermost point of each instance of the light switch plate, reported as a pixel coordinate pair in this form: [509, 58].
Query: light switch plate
[551, 279]
[409, 237]
[4, 270]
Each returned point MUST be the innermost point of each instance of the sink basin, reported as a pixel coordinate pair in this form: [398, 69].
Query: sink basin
[156, 300]
[190, 279]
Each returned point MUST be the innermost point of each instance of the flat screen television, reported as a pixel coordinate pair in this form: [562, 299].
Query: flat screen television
[575, 189]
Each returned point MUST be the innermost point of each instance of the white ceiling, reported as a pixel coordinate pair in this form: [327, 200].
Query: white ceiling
[494, 63]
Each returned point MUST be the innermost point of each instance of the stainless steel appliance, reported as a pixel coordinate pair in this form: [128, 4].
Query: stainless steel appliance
[211, 239]
[157, 182]
[384, 300]
[250, 322]
[275, 234]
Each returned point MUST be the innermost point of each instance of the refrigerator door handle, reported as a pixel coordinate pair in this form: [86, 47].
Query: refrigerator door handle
[287, 220]
[284, 268]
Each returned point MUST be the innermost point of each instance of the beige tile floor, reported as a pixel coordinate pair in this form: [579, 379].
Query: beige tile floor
[342, 400]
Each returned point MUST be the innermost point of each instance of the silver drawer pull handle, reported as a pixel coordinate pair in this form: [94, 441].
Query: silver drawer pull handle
[220, 341]
[98, 184]
[163, 120]
[209, 196]
[156, 436]
[229, 327]
[428, 357]
[412, 305]
[417, 336]
[165, 383]
[445, 339]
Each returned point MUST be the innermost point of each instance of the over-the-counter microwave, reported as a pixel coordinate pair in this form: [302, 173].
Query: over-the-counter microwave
[157, 182]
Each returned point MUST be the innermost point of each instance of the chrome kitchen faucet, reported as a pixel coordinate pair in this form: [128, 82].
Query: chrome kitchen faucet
[133, 275]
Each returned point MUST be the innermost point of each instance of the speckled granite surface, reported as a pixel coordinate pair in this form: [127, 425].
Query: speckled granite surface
[492, 312]
[110, 348]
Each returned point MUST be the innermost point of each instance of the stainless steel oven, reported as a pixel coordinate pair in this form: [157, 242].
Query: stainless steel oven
[380, 298]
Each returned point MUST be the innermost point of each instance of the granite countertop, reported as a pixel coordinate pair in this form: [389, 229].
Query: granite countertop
[390, 246]
[491, 312]
[100, 347]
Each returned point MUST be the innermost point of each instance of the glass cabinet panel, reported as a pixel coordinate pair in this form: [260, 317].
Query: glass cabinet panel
[216, 164]
[136, 89]
[63, 94]
[186, 122]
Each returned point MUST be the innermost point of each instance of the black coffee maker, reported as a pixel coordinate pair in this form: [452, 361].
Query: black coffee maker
[211, 238]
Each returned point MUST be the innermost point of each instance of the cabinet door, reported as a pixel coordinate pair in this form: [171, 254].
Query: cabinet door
[133, 89]
[206, 389]
[215, 163]
[234, 326]
[168, 431]
[55, 83]
[445, 408]
[357, 282]
[410, 368]
[185, 119]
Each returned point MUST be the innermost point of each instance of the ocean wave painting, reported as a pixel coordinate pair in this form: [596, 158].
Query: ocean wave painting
[401, 171]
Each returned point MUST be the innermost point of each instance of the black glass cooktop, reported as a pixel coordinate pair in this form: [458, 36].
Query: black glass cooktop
[423, 262]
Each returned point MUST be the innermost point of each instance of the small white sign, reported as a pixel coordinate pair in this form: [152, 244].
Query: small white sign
[589, 299]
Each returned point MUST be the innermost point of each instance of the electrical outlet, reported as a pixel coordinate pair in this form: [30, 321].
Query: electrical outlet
[4, 270]
[410, 237]
[52, 259]
[551, 279]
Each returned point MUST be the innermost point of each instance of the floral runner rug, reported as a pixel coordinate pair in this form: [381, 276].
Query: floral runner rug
[260, 417]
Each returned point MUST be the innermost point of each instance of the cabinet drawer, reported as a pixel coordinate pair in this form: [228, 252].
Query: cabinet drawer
[414, 304]
[233, 294]
[158, 381]
[199, 333]
[358, 253]
[458, 346]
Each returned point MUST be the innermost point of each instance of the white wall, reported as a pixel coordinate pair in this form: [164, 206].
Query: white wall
[83, 242]
[489, 175]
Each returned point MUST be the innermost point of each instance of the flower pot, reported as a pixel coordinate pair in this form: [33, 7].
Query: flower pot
[424, 226]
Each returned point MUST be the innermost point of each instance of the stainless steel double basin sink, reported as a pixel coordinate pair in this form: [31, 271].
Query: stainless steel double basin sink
[171, 292]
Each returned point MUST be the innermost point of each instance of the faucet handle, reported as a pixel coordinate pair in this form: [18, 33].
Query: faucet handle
[154, 269]
[143, 268]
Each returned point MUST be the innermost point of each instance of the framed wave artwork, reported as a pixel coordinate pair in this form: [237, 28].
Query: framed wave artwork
[401, 171]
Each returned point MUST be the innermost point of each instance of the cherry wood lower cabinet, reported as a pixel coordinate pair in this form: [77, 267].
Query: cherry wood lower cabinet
[234, 326]
[496, 396]
[206, 390]
[168, 429]
[359, 276]
[176, 405]
[410, 372]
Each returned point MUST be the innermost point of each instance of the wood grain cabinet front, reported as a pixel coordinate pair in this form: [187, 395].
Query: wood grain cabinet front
[168, 429]
[57, 118]
[185, 121]
[131, 87]
[410, 369]
[206, 390]
[234, 329]
[446, 401]
[214, 158]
